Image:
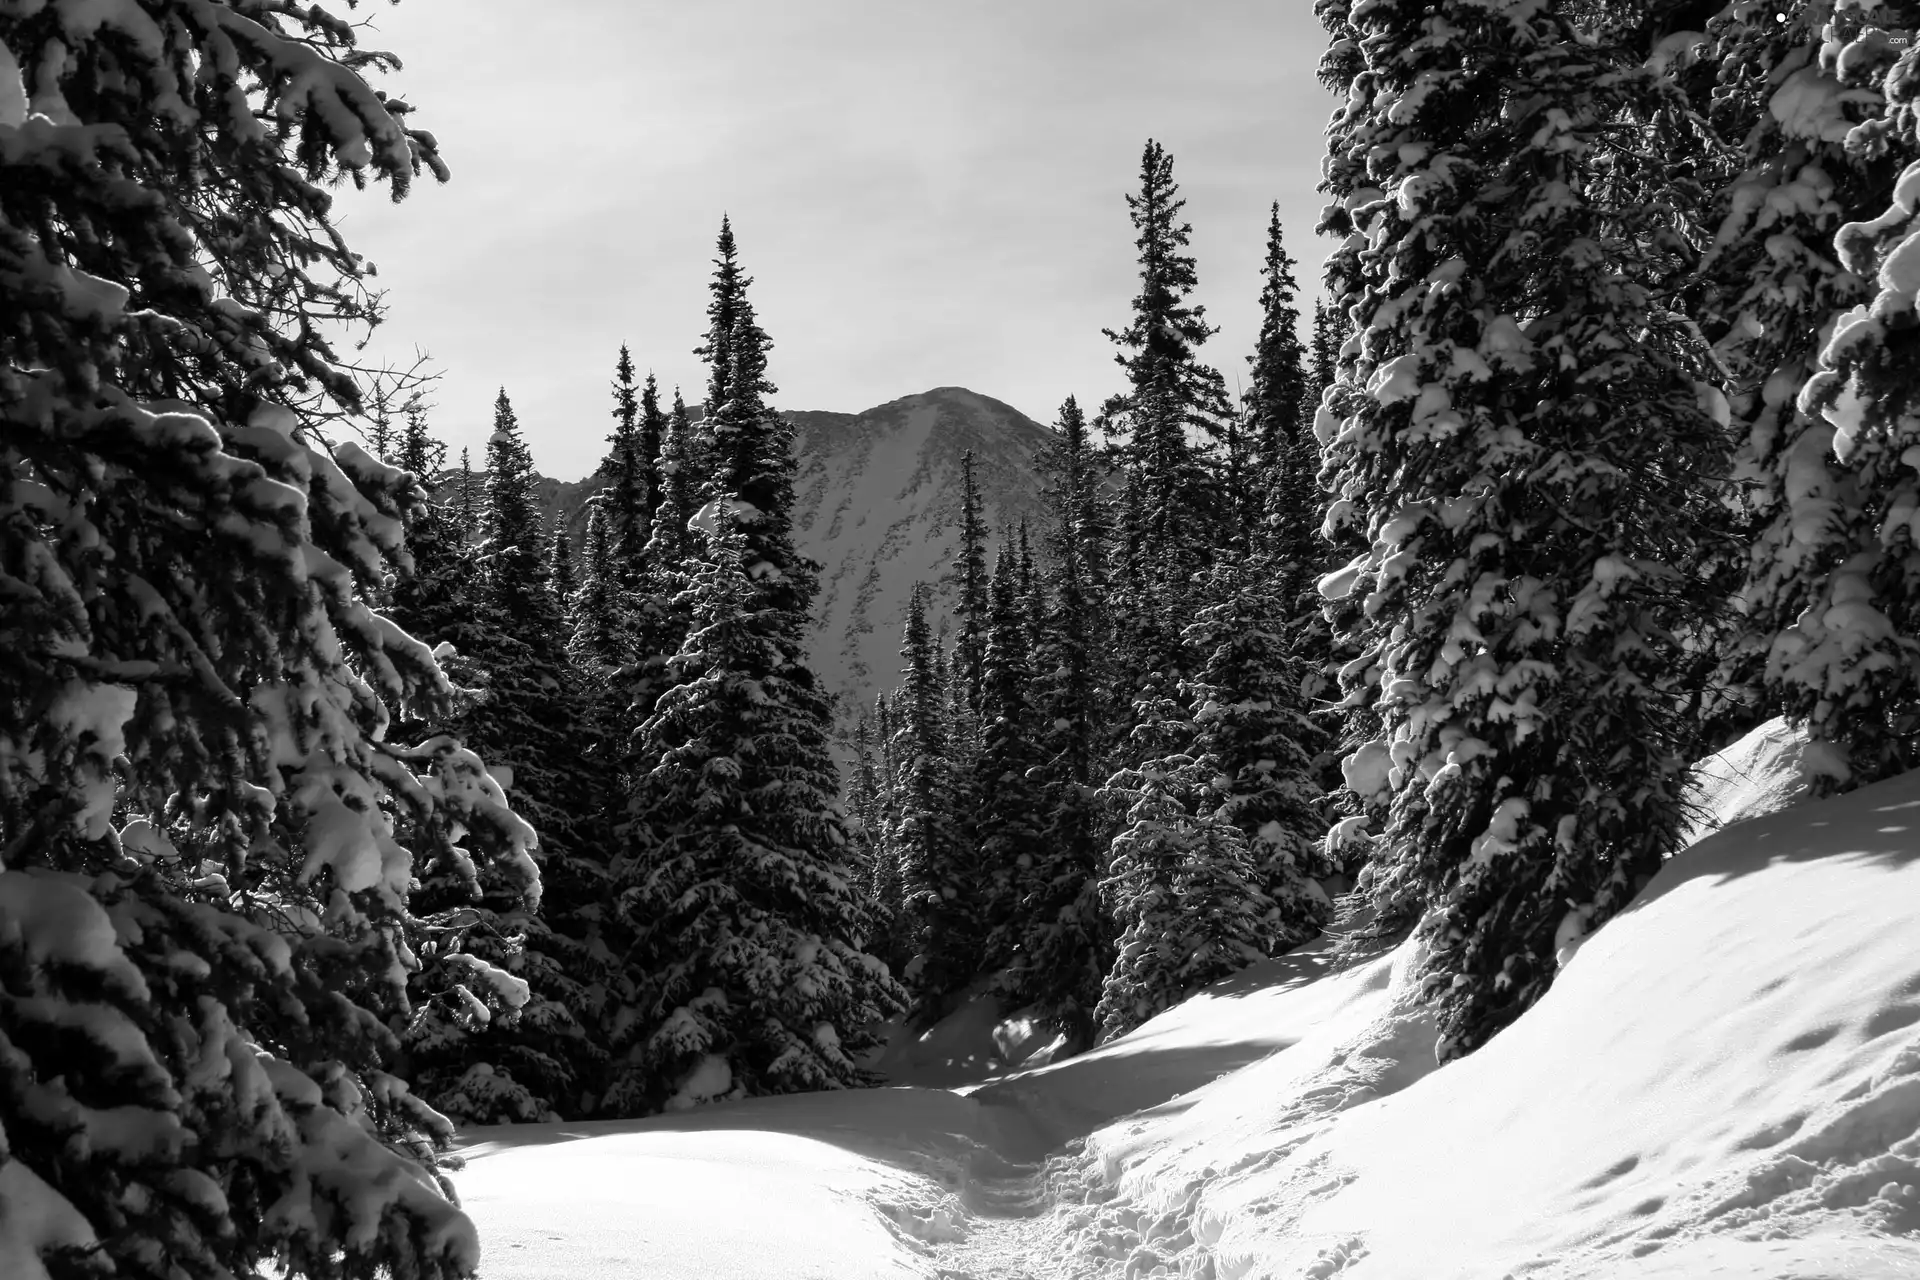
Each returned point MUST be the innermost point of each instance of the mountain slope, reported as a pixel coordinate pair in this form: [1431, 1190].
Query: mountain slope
[877, 503]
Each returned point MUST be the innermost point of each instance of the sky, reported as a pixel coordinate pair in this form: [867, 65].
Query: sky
[924, 194]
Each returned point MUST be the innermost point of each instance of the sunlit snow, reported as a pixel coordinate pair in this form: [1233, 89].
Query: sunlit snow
[1725, 1081]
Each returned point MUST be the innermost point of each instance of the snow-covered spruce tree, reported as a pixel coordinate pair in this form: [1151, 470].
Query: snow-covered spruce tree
[432, 596]
[596, 642]
[1174, 512]
[970, 577]
[743, 923]
[1533, 462]
[467, 502]
[940, 893]
[1163, 336]
[632, 471]
[652, 442]
[1275, 403]
[1180, 881]
[892, 939]
[1031, 588]
[625, 496]
[747, 923]
[680, 482]
[725, 292]
[1283, 498]
[561, 578]
[658, 602]
[532, 716]
[1010, 817]
[1835, 574]
[203, 927]
[864, 806]
[1059, 934]
[1255, 746]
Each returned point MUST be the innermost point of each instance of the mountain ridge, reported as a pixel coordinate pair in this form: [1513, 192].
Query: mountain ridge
[877, 505]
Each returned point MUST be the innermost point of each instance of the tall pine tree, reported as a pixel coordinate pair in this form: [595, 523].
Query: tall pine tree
[938, 892]
[1060, 936]
[970, 577]
[743, 915]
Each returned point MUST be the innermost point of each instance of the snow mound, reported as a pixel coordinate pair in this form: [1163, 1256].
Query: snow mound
[1762, 773]
[853, 1185]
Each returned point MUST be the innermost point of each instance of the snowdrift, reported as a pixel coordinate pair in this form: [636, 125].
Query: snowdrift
[1724, 1082]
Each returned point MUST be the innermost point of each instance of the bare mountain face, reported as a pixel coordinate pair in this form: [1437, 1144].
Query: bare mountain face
[877, 503]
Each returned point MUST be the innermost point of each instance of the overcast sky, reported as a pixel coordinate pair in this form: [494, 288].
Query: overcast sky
[926, 194]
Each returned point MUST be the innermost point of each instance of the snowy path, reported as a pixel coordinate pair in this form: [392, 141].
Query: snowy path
[1724, 1083]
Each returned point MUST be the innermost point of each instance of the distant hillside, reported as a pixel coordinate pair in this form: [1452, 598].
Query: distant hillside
[877, 502]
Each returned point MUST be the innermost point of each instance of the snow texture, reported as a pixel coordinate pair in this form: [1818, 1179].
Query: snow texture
[1761, 1119]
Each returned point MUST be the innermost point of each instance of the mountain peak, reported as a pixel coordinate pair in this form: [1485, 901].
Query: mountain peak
[877, 503]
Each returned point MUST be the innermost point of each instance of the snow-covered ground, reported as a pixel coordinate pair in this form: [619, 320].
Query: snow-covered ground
[1725, 1082]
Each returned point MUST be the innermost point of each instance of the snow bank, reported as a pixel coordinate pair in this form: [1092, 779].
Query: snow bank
[1727, 1081]
[852, 1186]
[1763, 773]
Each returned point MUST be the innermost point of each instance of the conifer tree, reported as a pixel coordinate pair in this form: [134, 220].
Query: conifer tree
[938, 892]
[725, 292]
[1031, 589]
[1062, 939]
[1160, 344]
[893, 935]
[204, 937]
[1009, 817]
[530, 711]
[380, 433]
[863, 806]
[560, 571]
[1175, 512]
[467, 507]
[431, 597]
[746, 927]
[659, 604]
[680, 482]
[651, 444]
[1533, 464]
[747, 924]
[970, 576]
[1255, 747]
[1813, 266]
[626, 468]
[595, 642]
[1181, 883]
[515, 579]
[1276, 407]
